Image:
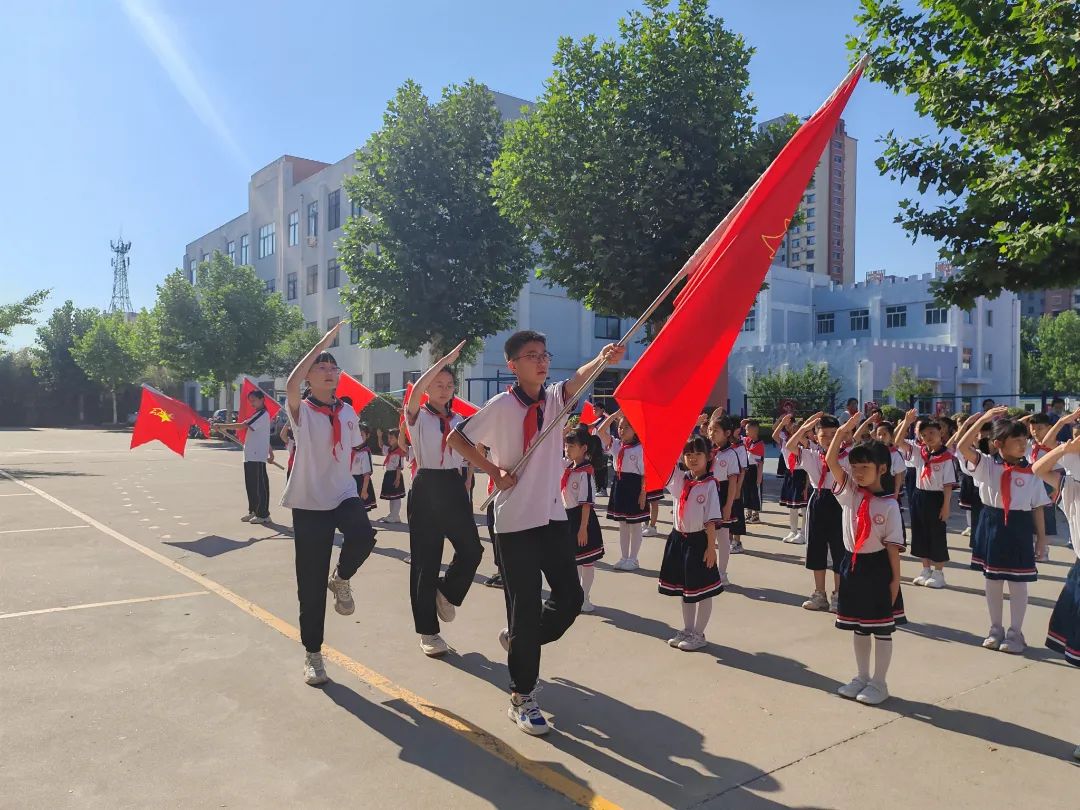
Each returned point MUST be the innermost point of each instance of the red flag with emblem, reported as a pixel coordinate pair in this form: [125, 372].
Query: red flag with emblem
[666, 389]
[360, 394]
[247, 410]
[165, 419]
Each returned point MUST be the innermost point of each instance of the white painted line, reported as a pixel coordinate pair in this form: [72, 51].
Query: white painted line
[103, 604]
[15, 495]
[46, 529]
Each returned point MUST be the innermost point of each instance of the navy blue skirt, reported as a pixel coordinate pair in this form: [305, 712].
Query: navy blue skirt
[738, 517]
[751, 492]
[865, 602]
[1005, 551]
[793, 493]
[654, 496]
[1064, 633]
[593, 549]
[391, 491]
[969, 492]
[683, 571]
[623, 503]
[369, 502]
[928, 539]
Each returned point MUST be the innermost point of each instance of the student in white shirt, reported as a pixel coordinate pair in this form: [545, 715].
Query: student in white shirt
[257, 453]
[439, 508]
[531, 528]
[322, 495]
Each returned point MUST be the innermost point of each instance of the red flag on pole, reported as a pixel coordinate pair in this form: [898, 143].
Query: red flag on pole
[165, 419]
[588, 414]
[247, 411]
[666, 389]
[349, 386]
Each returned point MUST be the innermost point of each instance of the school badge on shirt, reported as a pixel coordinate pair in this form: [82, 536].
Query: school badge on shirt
[879, 520]
[701, 499]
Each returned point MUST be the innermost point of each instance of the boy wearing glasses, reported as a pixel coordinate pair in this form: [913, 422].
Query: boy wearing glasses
[322, 495]
[532, 534]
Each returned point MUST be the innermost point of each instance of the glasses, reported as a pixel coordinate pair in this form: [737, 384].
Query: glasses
[535, 357]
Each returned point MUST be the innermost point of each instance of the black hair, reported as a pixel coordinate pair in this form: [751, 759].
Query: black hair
[852, 399]
[364, 428]
[257, 393]
[580, 435]
[1056, 400]
[346, 400]
[393, 433]
[992, 403]
[450, 371]
[517, 341]
[875, 452]
[1041, 419]
[929, 424]
[753, 423]
[1008, 429]
[324, 357]
[828, 421]
[696, 444]
[889, 426]
[948, 422]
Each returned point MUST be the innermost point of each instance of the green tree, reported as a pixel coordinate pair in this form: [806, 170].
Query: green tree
[635, 151]
[21, 313]
[1032, 375]
[224, 325]
[1000, 79]
[53, 362]
[905, 387]
[21, 395]
[432, 261]
[288, 351]
[1058, 344]
[812, 389]
[108, 354]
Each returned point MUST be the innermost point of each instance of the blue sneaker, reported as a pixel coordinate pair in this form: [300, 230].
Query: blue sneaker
[528, 716]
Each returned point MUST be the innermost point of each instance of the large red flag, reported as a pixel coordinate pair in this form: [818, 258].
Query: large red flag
[666, 389]
[247, 411]
[349, 386]
[165, 419]
[588, 414]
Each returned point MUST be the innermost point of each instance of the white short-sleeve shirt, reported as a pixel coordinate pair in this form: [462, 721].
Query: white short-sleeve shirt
[257, 438]
[725, 464]
[702, 502]
[898, 463]
[578, 488]
[361, 461]
[633, 458]
[535, 500]
[1070, 496]
[942, 469]
[812, 459]
[394, 459]
[885, 522]
[321, 476]
[427, 441]
[1026, 491]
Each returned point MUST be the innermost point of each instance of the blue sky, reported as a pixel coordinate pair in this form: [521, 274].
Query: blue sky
[150, 116]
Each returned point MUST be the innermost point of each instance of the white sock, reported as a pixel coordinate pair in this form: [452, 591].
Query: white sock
[587, 574]
[689, 612]
[1018, 600]
[723, 551]
[793, 519]
[624, 540]
[882, 657]
[395, 510]
[995, 596]
[704, 612]
[968, 513]
[862, 655]
[635, 539]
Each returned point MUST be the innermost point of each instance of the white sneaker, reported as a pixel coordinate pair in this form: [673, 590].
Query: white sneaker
[694, 641]
[1044, 557]
[678, 638]
[922, 578]
[259, 520]
[342, 591]
[787, 538]
[444, 607]
[632, 564]
[936, 579]
[621, 564]
[587, 607]
[528, 717]
[817, 601]
[834, 602]
[966, 532]
[247, 518]
[504, 638]
[736, 547]
[994, 637]
[314, 671]
[648, 531]
[1014, 643]
[852, 688]
[725, 580]
[873, 694]
[797, 539]
[433, 646]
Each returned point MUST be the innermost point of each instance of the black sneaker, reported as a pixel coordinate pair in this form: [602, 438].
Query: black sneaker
[494, 582]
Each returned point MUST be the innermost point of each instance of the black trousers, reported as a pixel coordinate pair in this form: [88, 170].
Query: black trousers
[439, 508]
[824, 531]
[491, 535]
[313, 538]
[525, 556]
[257, 484]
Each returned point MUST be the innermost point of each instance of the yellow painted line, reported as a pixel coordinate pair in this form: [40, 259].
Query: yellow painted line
[102, 604]
[580, 794]
[45, 528]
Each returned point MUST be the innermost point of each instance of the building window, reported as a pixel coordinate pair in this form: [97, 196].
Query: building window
[965, 360]
[309, 325]
[860, 319]
[271, 285]
[895, 317]
[796, 256]
[382, 381]
[192, 266]
[750, 324]
[989, 317]
[231, 250]
[826, 323]
[409, 377]
[244, 244]
[354, 334]
[811, 240]
[290, 286]
[838, 159]
[333, 274]
[266, 241]
[333, 210]
[989, 362]
[936, 314]
[810, 198]
[313, 218]
[355, 209]
[312, 280]
[796, 243]
[837, 268]
[836, 255]
[606, 327]
[811, 212]
[836, 227]
[811, 226]
[969, 317]
[837, 172]
[809, 268]
[330, 324]
[294, 228]
[809, 254]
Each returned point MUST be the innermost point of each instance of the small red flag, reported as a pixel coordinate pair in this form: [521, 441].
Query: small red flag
[666, 389]
[361, 395]
[247, 411]
[165, 419]
[588, 414]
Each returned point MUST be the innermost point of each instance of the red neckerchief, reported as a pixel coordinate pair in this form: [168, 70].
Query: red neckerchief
[397, 451]
[1038, 450]
[825, 467]
[622, 450]
[357, 451]
[930, 460]
[585, 468]
[685, 495]
[534, 414]
[862, 521]
[444, 426]
[755, 447]
[1007, 470]
[332, 410]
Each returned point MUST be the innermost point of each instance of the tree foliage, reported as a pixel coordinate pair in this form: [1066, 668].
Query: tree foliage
[53, 362]
[290, 349]
[21, 313]
[1000, 79]
[1032, 375]
[1056, 352]
[637, 148]
[20, 393]
[108, 354]
[433, 260]
[905, 387]
[812, 389]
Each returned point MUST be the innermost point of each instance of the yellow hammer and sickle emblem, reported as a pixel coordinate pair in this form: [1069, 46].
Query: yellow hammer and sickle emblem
[162, 414]
[773, 242]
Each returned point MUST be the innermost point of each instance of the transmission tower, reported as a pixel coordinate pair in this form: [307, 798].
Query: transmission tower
[121, 299]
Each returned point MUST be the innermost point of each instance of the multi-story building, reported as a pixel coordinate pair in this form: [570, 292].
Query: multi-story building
[296, 210]
[1036, 303]
[864, 331]
[823, 242]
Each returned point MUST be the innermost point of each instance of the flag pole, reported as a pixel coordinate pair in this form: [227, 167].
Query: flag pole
[688, 267]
